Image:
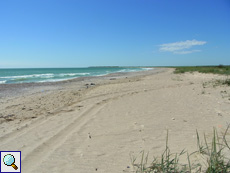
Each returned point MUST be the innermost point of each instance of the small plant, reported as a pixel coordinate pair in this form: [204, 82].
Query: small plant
[203, 84]
[222, 82]
[226, 82]
[168, 162]
[214, 155]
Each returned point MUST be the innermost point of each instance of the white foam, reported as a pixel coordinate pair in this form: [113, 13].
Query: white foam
[128, 70]
[147, 68]
[72, 74]
[2, 82]
[51, 80]
[82, 73]
[122, 70]
[102, 74]
[48, 75]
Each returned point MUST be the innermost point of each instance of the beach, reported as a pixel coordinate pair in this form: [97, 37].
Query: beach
[96, 124]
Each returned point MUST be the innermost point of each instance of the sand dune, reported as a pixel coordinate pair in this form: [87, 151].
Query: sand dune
[75, 129]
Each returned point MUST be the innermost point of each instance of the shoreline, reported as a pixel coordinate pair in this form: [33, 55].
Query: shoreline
[54, 75]
[20, 89]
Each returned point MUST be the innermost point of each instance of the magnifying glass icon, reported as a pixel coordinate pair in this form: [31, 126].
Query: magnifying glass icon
[9, 160]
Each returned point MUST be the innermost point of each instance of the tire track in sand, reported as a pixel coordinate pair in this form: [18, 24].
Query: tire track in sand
[35, 157]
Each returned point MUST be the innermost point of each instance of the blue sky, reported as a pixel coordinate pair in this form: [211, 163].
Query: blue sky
[80, 33]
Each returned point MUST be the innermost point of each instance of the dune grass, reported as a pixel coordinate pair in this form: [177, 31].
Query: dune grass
[213, 155]
[221, 69]
[224, 82]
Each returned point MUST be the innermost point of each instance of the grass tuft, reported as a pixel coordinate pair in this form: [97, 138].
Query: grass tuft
[214, 155]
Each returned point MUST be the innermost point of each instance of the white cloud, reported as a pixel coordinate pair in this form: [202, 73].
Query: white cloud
[181, 47]
[186, 51]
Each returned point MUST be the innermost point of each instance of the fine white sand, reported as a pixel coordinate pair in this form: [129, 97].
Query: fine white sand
[71, 128]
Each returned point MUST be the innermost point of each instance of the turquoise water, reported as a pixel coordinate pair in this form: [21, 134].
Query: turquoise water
[29, 75]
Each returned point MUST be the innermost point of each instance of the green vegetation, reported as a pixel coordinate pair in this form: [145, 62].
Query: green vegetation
[221, 69]
[213, 158]
[226, 82]
[222, 82]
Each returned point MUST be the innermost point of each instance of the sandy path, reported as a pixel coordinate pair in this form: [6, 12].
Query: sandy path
[98, 131]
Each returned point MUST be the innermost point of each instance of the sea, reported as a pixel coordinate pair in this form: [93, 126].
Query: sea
[35, 75]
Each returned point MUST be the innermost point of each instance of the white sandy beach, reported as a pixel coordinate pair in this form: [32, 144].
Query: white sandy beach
[77, 130]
